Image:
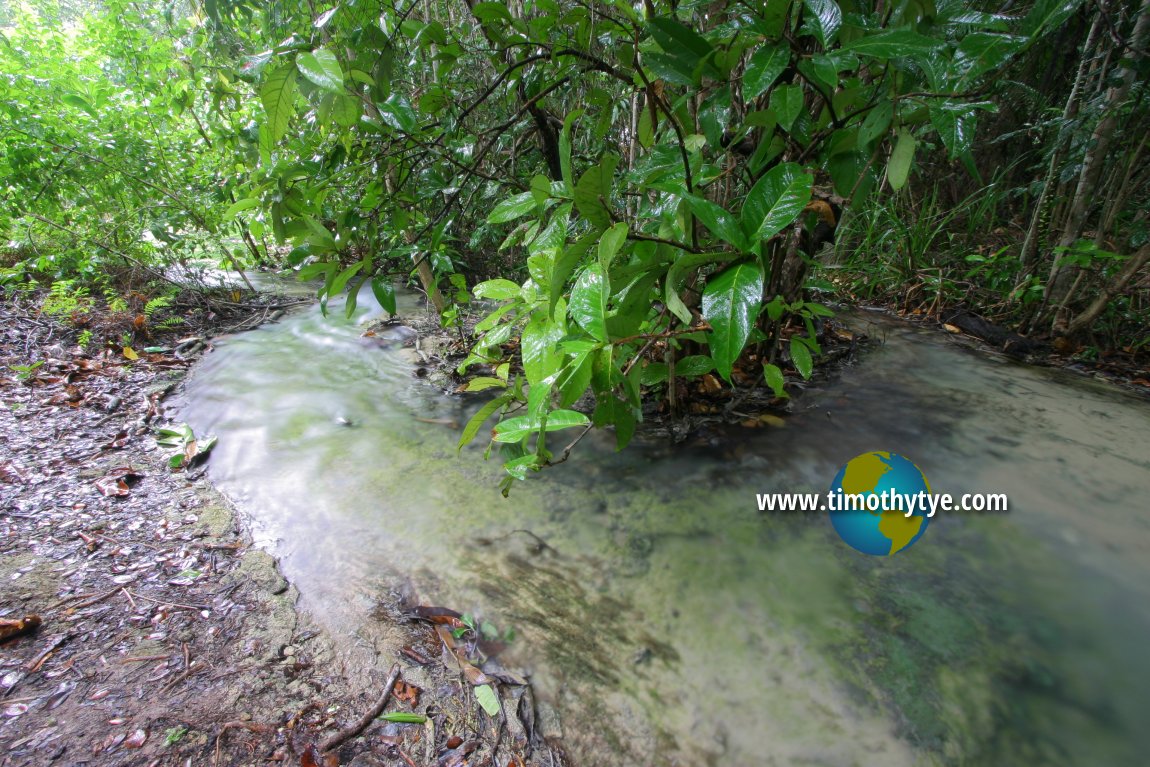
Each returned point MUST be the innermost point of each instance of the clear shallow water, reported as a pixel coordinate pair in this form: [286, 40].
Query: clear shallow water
[671, 622]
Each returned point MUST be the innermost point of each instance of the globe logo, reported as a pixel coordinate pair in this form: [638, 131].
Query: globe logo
[869, 500]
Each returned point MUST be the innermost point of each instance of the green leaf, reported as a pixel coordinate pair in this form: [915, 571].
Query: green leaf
[384, 292]
[801, 356]
[346, 111]
[775, 379]
[565, 265]
[278, 97]
[398, 113]
[955, 125]
[731, 304]
[877, 122]
[402, 717]
[823, 20]
[787, 103]
[498, 290]
[588, 305]
[482, 383]
[679, 40]
[480, 417]
[322, 68]
[565, 150]
[694, 365]
[717, 220]
[776, 201]
[241, 205]
[491, 12]
[610, 243]
[980, 52]
[538, 348]
[765, 66]
[594, 190]
[683, 265]
[1047, 15]
[892, 43]
[512, 208]
[77, 102]
[519, 428]
[898, 169]
[574, 379]
[486, 697]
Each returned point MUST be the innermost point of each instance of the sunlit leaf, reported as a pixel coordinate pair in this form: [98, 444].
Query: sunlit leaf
[322, 68]
[278, 97]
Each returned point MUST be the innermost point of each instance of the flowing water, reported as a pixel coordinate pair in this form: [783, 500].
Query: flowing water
[666, 619]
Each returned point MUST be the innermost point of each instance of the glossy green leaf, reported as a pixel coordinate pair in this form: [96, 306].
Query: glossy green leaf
[402, 717]
[775, 201]
[384, 292]
[519, 428]
[901, 158]
[801, 357]
[278, 97]
[731, 303]
[766, 64]
[512, 208]
[893, 43]
[398, 113]
[588, 306]
[981, 52]
[955, 127]
[823, 20]
[538, 347]
[1046, 15]
[718, 221]
[322, 68]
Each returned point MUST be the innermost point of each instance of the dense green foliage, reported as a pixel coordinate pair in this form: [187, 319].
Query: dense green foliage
[644, 186]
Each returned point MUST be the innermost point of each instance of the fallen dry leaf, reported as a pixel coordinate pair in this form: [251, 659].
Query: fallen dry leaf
[116, 481]
[13, 627]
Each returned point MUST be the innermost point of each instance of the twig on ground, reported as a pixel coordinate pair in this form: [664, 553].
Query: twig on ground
[336, 740]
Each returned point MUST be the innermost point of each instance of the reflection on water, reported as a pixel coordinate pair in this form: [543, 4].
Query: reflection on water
[669, 621]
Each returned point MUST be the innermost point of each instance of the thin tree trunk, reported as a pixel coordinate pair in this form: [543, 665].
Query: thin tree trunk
[1058, 155]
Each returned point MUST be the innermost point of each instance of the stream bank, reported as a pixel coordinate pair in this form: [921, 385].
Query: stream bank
[165, 637]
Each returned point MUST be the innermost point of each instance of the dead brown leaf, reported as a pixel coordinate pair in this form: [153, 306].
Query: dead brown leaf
[10, 627]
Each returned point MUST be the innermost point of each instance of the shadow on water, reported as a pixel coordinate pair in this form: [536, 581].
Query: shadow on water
[671, 622]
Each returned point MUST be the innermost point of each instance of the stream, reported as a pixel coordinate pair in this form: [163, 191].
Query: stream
[667, 620]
